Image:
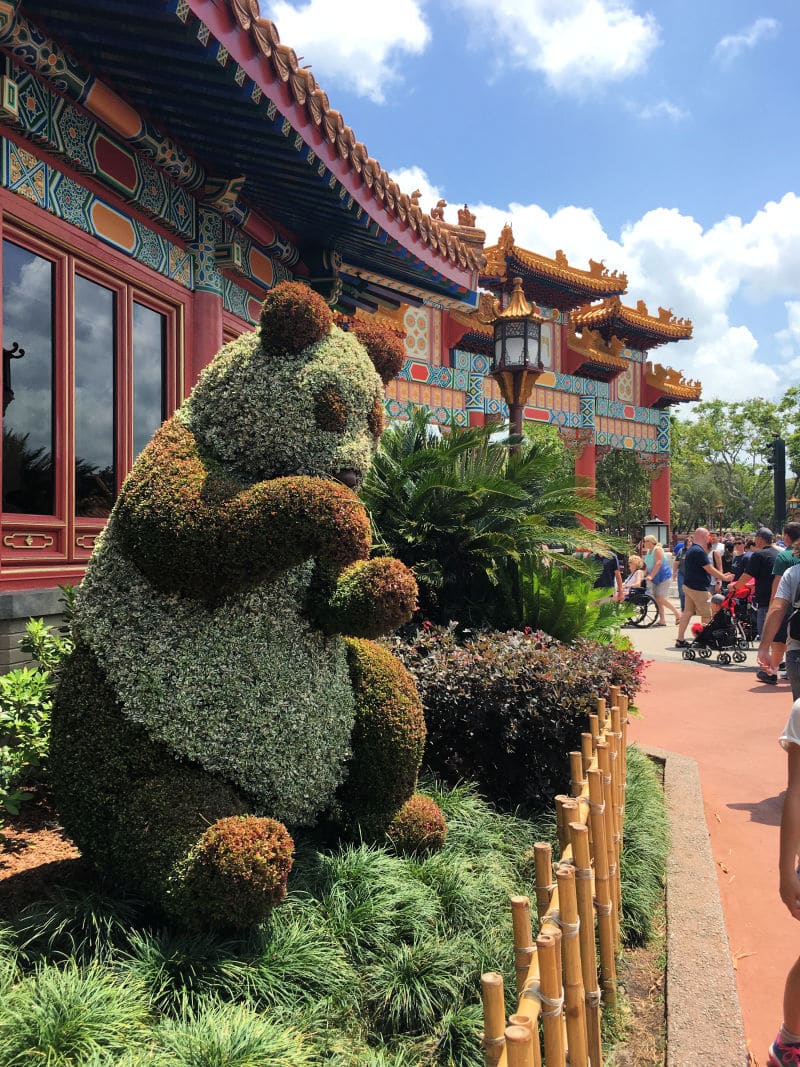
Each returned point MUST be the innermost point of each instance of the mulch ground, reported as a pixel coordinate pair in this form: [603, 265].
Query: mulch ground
[35, 854]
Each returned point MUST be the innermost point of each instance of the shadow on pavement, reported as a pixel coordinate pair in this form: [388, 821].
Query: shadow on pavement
[767, 811]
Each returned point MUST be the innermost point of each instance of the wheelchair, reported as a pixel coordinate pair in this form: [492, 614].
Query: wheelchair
[645, 608]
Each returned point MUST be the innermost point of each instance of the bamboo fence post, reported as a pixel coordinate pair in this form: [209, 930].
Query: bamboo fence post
[543, 858]
[579, 839]
[587, 751]
[494, 1017]
[561, 823]
[574, 1001]
[614, 692]
[612, 836]
[576, 774]
[600, 710]
[594, 728]
[532, 1026]
[605, 914]
[552, 998]
[524, 947]
[519, 1046]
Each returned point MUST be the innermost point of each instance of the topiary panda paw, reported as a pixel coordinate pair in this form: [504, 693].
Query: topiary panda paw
[370, 598]
[236, 873]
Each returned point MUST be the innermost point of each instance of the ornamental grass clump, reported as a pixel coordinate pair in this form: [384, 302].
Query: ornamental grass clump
[419, 827]
[67, 1015]
[643, 863]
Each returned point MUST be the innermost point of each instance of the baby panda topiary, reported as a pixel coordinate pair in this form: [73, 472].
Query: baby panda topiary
[212, 700]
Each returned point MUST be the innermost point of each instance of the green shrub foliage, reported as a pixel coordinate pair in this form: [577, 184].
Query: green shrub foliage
[504, 709]
[211, 680]
[418, 827]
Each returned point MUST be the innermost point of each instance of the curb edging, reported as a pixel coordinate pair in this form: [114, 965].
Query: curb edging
[703, 1013]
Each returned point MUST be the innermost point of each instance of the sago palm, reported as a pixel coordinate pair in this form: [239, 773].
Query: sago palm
[456, 506]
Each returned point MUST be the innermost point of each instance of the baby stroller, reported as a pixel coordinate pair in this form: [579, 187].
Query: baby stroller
[725, 633]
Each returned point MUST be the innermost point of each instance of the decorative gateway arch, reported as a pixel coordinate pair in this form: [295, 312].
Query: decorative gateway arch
[601, 390]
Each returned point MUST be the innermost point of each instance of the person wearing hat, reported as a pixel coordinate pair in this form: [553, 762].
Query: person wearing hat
[759, 567]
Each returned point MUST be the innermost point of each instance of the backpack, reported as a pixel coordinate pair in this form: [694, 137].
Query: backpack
[793, 622]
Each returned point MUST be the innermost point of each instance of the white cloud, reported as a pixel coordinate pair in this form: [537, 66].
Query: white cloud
[730, 47]
[717, 277]
[355, 43]
[411, 179]
[576, 44]
[663, 109]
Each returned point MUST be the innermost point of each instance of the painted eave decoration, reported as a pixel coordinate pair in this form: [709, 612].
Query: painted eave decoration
[671, 383]
[215, 77]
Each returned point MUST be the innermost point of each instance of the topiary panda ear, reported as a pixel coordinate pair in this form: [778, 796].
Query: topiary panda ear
[292, 318]
[384, 346]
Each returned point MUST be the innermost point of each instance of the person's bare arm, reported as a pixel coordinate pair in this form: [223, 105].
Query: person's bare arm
[790, 836]
[774, 617]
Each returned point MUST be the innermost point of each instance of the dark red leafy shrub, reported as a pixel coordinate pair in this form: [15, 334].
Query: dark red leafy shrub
[292, 318]
[372, 597]
[418, 827]
[238, 871]
[504, 709]
[375, 419]
[385, 347]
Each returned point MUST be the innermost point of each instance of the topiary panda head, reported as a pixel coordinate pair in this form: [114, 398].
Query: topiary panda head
[298, 396]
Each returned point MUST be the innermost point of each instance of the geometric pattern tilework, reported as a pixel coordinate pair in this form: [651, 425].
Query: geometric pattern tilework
[624, 384]
[259, 268]
[70, 133]
[241, 302]
[615, 409]
[210, 230]
[23, 173]
[445, 416]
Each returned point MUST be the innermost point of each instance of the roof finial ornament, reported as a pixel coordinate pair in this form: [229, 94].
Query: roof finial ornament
[465, 216]
[506, 242]
[415, 197]
[438, 211]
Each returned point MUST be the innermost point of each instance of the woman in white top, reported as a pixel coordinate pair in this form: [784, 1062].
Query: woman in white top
[635, 577]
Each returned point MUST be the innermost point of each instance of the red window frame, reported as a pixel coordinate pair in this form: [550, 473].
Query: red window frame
[38, 550]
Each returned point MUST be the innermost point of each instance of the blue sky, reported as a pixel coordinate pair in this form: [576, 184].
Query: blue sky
[661, 137]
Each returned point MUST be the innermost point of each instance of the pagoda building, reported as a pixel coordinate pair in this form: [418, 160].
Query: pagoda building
[163, 164]
[598, 387]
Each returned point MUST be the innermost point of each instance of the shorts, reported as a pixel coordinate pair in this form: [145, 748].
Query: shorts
[698, 602]
[661, 589]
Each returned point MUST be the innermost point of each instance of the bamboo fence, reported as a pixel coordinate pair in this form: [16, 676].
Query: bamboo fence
[560, 983]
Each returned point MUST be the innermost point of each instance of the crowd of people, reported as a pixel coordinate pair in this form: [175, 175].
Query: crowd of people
[712, 570]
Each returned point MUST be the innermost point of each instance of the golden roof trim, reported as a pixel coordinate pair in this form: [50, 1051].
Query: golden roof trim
[590, 344]
[666, 324]
[671, 382]
[472, 321]
[307, 94]
[598, 277]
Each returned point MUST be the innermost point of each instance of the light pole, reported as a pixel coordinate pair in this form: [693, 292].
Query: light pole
[517, 353]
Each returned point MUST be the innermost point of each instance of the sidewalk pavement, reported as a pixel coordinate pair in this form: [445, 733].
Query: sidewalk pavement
[728, 722]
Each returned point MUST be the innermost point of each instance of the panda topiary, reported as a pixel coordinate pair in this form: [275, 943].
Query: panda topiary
[212, 700]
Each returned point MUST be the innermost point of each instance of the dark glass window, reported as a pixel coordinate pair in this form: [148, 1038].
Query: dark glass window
[149, 358]
[28, 423]
[95, 359]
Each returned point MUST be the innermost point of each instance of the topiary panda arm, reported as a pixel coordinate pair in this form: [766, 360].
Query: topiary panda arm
[369, 598]
[191, 530]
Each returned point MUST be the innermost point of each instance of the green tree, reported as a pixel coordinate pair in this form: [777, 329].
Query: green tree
[455, 506]
[626, 486]
[719, 454]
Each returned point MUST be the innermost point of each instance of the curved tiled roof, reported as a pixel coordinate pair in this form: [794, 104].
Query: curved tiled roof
[671, 382]
[596, 281]
[590, 344]
[612, 312]
[307, 94]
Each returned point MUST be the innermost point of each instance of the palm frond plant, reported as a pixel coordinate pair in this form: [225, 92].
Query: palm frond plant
[456, 506]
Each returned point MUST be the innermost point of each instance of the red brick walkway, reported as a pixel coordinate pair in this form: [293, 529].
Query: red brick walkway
[729, 723]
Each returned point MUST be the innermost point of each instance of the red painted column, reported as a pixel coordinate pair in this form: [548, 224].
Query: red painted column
[659, 493]
[586, 468]
[206, 334]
